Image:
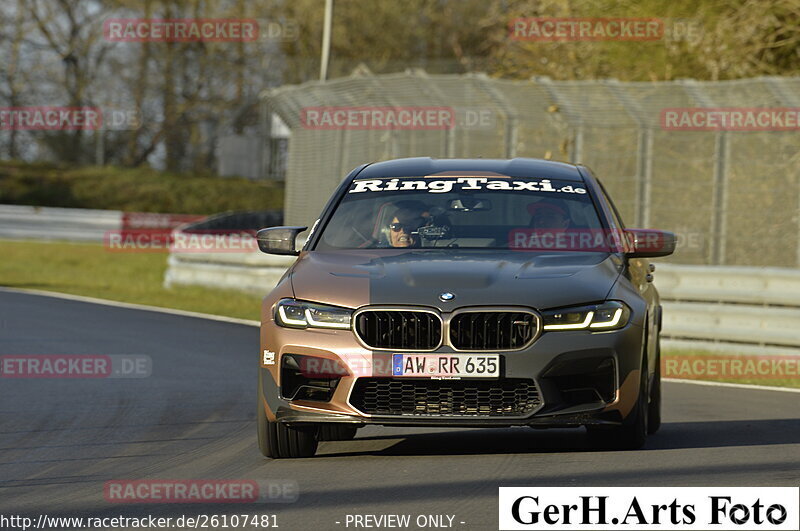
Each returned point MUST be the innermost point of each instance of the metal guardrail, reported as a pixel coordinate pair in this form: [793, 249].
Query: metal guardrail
[771, 286]
[48, 223]
[742, 309]
[732, 323]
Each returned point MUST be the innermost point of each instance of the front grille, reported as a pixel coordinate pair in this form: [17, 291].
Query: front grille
[510, 397]
[399, 329]
[492, 330]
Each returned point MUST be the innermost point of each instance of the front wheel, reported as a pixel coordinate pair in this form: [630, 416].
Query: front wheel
[279, 441]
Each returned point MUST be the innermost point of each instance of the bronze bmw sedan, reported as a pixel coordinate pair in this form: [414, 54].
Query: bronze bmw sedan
[473, 292]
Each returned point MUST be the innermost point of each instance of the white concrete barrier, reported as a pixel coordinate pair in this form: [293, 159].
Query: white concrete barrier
[731, 284]
[253, 272]
[743, 309]
[48, 223]
[768, 326]
[731, 308]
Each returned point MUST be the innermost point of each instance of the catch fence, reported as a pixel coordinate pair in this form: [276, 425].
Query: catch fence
[732, 196]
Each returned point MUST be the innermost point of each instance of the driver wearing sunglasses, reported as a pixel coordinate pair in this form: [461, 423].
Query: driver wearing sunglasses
[404, 225]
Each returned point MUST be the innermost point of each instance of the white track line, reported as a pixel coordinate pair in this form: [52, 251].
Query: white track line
[739, 386]
[248, 322]
[132, 306]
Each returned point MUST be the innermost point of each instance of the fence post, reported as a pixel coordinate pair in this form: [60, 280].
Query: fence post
[265, 144]
[644, 170]
[449, 133]
[577, 139]
[511, 136]
[644, 151]
[380, 88]
[577, 145]
[719, 197]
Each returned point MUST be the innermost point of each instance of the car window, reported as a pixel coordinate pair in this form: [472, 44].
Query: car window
[617, 219]
[464, 212]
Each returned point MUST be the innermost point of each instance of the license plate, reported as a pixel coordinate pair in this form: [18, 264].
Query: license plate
[446, 365]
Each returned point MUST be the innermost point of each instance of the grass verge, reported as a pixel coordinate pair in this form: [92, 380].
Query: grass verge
[90, 270]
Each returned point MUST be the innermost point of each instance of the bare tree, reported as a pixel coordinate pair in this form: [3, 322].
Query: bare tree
[71, 32]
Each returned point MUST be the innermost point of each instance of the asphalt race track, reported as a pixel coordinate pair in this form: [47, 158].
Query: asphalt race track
[194, 417]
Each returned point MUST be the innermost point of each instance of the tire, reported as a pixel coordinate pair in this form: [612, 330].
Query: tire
[632, 434]
[654, 413]
[336, 432]
[278, 441]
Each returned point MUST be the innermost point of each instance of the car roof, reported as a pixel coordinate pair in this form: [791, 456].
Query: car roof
[518, 167]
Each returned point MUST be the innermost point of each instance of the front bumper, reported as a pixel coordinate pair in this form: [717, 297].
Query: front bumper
[564, 366]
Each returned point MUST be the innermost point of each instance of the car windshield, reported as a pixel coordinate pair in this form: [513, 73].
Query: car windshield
[494, 212]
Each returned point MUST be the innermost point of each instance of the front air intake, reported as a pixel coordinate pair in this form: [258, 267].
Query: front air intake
[509, 397]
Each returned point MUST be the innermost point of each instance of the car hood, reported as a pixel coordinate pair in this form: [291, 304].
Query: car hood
[355, 278]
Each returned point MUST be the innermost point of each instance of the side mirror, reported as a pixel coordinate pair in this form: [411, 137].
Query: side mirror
[279, 240]
[649, 243]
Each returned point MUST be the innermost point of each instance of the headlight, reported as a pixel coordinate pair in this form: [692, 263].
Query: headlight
[301, 314]
[606, 316]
